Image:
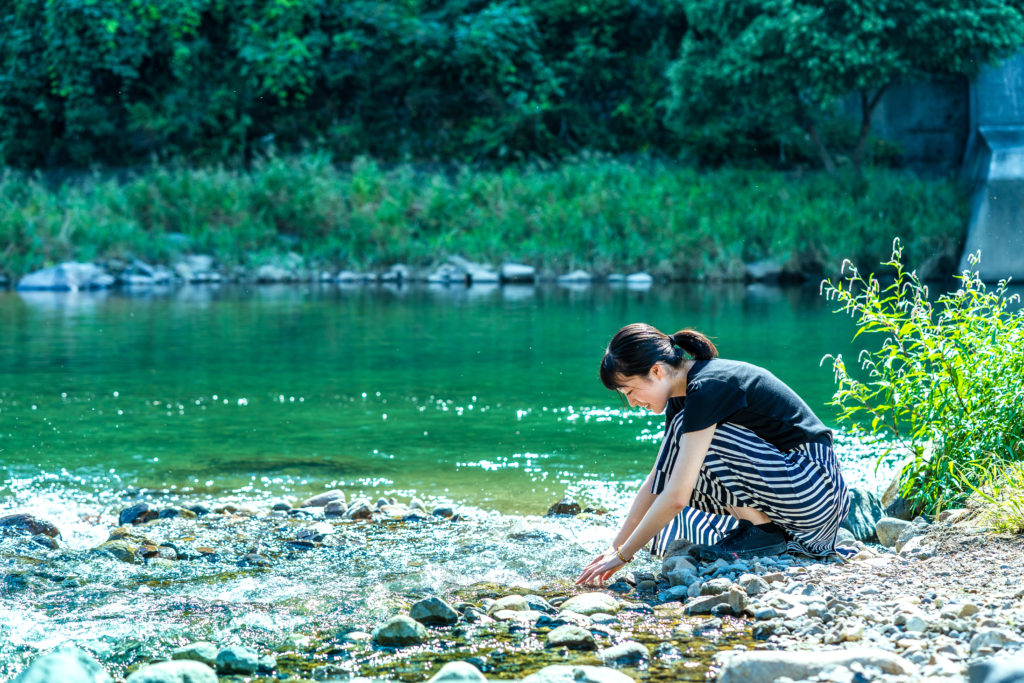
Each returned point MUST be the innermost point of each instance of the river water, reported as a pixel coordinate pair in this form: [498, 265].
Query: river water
[483, 398]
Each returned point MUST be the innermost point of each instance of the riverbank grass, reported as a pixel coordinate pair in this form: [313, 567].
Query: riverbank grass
[600, 214]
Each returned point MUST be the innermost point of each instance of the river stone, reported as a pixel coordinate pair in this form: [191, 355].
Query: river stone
[907, 533]
[138, 514]
[237, 659]
[767, 666]
[571, 637]
[566, 673]
[715, 586]
[29, 525]
[174, 672]
[445, 511]
[66, 664]
[565, 507]
[517, 272]
[994, 638]
[458, 672]
[69, 276]
[198, 652]
[888, 529]
[752, 584]
[591, 603]
[400, 630]
[322, 499]
[434, 611]
[120, 550]
[1002, 669]
[359, 509]
[865, 511]
[513, 602]
[538, 603]
[624, 654]
[336, 508]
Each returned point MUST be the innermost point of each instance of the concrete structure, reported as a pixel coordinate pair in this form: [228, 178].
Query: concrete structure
[994, 167]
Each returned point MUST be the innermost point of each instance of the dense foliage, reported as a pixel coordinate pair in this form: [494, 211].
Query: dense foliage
[945, 379]
[598, 214]
[765, 77]
[85, 82]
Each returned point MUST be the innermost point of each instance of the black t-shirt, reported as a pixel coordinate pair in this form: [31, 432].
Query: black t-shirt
[732, 391]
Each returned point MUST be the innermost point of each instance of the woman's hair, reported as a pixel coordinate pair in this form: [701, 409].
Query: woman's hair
[636, 348]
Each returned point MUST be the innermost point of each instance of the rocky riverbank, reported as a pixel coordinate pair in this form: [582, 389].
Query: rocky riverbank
[933, 601]
[292, 268]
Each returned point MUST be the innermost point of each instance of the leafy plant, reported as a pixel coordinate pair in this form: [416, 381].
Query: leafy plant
[944, 378]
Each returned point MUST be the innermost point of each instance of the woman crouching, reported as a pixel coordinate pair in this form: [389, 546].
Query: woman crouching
[745, 468]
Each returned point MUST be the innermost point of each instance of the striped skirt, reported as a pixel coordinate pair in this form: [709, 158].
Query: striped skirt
[801, 490]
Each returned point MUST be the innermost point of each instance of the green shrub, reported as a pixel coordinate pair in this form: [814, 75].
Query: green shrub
[943, 378]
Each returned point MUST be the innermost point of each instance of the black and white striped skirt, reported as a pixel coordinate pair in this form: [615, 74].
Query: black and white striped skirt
[801, 490]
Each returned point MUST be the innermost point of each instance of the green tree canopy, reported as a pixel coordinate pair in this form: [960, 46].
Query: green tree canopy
[761, 72]
[90, 81]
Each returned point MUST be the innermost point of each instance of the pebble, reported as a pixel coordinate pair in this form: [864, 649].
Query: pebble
[203, 652]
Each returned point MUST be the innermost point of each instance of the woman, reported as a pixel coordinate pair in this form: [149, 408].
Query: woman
[745, 468]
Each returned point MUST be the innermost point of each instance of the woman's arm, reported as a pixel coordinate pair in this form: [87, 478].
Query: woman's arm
[676, 495]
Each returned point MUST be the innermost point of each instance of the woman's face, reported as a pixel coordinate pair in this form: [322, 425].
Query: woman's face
[650, 391]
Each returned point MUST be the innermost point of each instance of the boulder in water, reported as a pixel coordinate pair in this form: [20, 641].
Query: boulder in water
[67, 277]
[27, 525]
[67, 664]
[400, 630]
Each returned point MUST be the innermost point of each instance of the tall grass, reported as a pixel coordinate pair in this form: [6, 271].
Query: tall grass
[600, 214]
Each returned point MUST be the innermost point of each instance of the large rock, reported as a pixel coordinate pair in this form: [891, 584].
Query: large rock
[237, 659]
[767, 666]
[66, 664]
[994, 639]
[434, 611]
[322, 499]
[865, 511]
[174, 672]
[571, 637]
[119, 549]
[399, 631]
[517, 272]
[888, 530]
[566, 673]
[458, 672]
[27, 525]
[202, 651]
[591, 603]
[67, 277]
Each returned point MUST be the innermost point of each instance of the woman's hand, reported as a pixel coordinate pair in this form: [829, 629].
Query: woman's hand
[600, 569]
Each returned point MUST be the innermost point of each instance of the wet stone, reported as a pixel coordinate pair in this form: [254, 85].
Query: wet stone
[66, 664]
[28, 525]
[174, 672]
[359, 509]
[567, 673]
[591, 603]
[281, 506]
[458, 672]
[509, 602]
[625, 654]
[237, 659]
[538, 603]
[44, 541]
[443, 511]
[322, 499]
[140, 513]
[399, 631]
[199, 509]
[198, 652]
[434, 611]
[567, 507]
[336, 508]
[120, 549]
[571, 637]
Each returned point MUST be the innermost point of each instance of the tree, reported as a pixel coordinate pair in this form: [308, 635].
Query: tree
[758, 70]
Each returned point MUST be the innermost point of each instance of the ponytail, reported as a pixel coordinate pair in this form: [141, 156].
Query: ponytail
[637, 347]
[694, 343]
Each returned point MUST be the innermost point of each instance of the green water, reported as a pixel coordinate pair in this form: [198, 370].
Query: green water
[487, 397]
